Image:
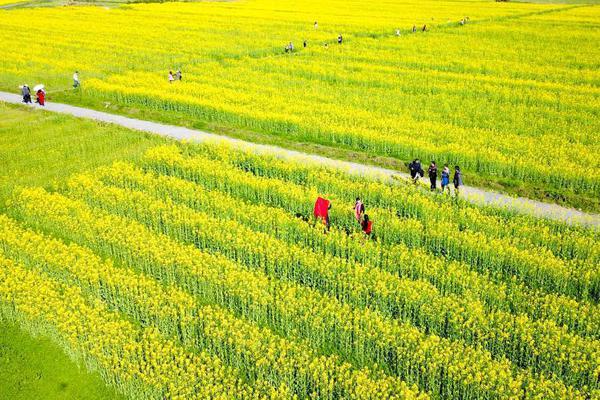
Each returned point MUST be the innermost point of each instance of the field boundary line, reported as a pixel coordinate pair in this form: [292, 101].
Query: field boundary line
[474, 195]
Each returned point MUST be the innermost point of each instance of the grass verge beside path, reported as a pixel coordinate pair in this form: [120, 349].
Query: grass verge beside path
[44, 149]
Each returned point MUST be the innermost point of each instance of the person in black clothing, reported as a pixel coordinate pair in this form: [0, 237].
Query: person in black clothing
[424, 28]
[458, 182]
[304, 43]
[26, 92]
[340, 39]
[432, 172]
[416, 171]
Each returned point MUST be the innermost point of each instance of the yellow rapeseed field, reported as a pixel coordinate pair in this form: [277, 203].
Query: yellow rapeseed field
[511, 96]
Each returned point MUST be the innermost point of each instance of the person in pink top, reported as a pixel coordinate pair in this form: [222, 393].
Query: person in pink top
[359, 210]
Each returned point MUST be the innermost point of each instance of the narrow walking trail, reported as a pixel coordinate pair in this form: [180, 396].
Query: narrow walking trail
[472, 194]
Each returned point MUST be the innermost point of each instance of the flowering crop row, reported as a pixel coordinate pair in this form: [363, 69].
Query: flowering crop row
[541, 345]
[255, 352]
[492, 256]
[140, 362]
[447, 276]
[362, 335]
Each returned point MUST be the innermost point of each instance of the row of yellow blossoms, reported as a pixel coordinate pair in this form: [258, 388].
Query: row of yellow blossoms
[447, 276]
[541, 345]
[538, 270]
[522, 231]
[439, 366]
[140, 362]
[256, 352]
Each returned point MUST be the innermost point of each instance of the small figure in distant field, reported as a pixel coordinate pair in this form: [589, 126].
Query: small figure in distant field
[359, 210]
[416, 171]
[414, 29]
[178, 75]
[171, 78]
[316, 25]
[445, 178]
[462, 21]
[326, 45]
[26, 92]
[458, 182]
[289, 47]
[340, 39]
[432, 172]
[367, 225]
[41, 97]
[304, 43]
[76, 80]
[424, 28]
[397, 32]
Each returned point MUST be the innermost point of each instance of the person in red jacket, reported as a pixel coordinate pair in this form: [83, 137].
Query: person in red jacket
[322, 207]
[367, 225]
[41, 97]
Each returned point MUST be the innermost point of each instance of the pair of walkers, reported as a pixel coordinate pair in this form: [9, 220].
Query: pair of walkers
[416, 172]
[40, 94]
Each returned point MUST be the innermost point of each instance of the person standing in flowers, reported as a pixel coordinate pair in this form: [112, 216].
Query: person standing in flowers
[359, 210]
[321, 211]
[432, 172]
[414, 29]
[445, 178]
[178, 75]
[76, 80]
[316, 25]
[340, 39]
[367, 225]
[457, 179]
[171, 78]
[416, 171]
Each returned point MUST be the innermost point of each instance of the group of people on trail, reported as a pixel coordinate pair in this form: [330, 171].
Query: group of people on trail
[40, 91]
[40, 94]
[323, 206]
[416, 172]
[177, 77]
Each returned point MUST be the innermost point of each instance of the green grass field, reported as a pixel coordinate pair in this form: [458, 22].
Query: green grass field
[39, 148]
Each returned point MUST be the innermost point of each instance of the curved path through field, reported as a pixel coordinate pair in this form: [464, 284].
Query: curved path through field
[475, 195]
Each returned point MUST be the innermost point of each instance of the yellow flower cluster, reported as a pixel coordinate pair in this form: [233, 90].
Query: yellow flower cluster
[256, 351]
[450, 277]
[419, 302]
[539, 269]
[524, 111]
[140, 362]
[364, 335]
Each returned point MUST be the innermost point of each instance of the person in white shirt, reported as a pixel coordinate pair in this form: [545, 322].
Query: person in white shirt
[76, 80]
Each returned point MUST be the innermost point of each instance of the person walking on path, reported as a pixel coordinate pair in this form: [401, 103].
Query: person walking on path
[432, 172]
[359, 210]
[76, 80]
[445, 178]
[458, 182]
[26, 92]
[416, 171]
[171, 78]
[367, 225]
[41, 97]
